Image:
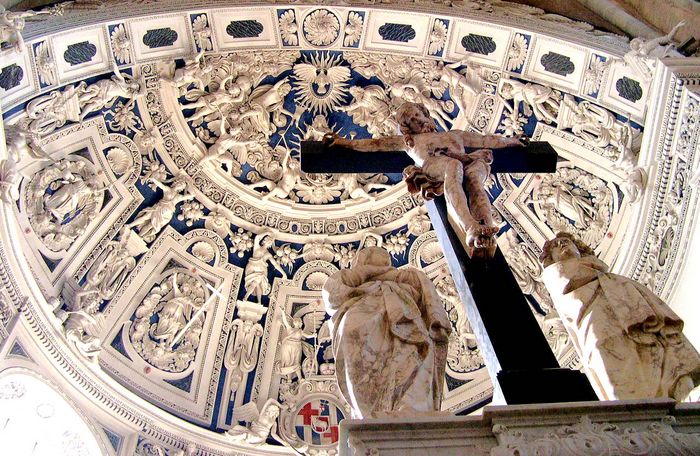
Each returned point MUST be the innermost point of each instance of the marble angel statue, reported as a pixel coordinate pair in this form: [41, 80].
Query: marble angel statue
[370, 107]
[389, 336]
[291, 173]
[443, 165]
[12, 24]
[152, 220]
[355, 186]
[262, 425]
[292, 345]
[255, 280]
[103, 93]
[643, 50]
[267, 101]
[537, 99]
[630, 342]
[231, 148]
[196, 71]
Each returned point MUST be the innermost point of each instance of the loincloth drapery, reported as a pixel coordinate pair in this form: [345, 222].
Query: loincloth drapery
[418, 182]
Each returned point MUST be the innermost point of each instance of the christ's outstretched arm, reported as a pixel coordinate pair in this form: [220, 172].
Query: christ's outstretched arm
[384, 144]
[489, 141]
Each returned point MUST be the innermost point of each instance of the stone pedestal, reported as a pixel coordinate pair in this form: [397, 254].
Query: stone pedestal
[652, 427]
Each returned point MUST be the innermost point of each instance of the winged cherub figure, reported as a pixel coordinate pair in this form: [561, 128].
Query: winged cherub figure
[443, 165]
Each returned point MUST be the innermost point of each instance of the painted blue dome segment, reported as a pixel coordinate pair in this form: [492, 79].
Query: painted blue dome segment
[162, 37]
[78, 53]
[402, 33]
[114, 439]
[478, 44]
[184, 384]
[629, 89]
[244, 29]
[11, 76]
[557, 64]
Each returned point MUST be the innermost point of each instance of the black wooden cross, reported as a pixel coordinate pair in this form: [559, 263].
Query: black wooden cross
[519, 360]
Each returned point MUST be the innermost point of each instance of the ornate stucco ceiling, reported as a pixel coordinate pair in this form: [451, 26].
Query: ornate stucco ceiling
[171, 232]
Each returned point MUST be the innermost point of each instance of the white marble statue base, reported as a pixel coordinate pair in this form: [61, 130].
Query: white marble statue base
[652, 427]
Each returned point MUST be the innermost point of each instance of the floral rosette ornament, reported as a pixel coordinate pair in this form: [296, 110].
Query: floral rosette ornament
[321, 27]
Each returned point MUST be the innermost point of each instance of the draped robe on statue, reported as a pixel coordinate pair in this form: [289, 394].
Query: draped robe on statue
[390, 333]
[630, 341]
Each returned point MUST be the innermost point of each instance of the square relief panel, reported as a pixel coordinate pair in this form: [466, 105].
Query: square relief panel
[387, 31]
[62, 236]
[244, 28]
[16, 77]
[81, 53]
[624, 91]
[486, 45]
[164, 36]
[554, 63]
[164, 338]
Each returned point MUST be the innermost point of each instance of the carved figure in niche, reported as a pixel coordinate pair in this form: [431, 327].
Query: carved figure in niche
[255, 281]
[174, 313]
[575, 201]
[62, 199]
[102, 94]
[265, 101]
[196, 71]
[109, 269]
[370, 107]
[643, 51]
[539, 100]
[292, 346]
[168, 323]
[571, 202]
[630, 342]
[70, 193]
[442, 164]
[152, 220]
[83, 323]
[390, 334]
[291, 173]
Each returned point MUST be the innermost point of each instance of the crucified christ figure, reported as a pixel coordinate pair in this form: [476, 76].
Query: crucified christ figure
[443, 165]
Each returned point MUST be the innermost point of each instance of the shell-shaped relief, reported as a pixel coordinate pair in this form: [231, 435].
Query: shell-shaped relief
[316, 280]
[119, 160]
[204, 251]
[431, 252]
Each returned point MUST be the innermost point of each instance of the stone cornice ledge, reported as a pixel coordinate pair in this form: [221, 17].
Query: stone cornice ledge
[656, 426]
